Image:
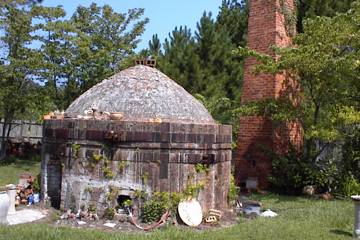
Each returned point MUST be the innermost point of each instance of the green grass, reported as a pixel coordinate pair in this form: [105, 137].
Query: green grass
[12, 167]
[299, 218]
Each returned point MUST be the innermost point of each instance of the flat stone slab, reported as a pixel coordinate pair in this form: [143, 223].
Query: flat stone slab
[25, 216]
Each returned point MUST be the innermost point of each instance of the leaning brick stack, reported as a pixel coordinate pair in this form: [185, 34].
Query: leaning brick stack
[269, 25]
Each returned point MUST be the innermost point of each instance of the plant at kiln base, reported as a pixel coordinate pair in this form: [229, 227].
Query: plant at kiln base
[92, 208]
[156, 206]
[109, 213]
[233, 190]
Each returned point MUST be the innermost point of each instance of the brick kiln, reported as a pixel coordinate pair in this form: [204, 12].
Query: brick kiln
[158, 135]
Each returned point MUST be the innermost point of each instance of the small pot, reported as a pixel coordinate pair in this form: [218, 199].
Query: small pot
[4, 207]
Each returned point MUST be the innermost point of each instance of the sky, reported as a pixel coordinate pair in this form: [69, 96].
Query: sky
[164, 15]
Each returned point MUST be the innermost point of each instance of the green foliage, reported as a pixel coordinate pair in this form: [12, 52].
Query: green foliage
[108, 173]
[350, 186]
[92, 208]
[128, 203]
[145, 178]
[75, 148]
[123, 165]
[202, 168]
[97, 157]
[37, 184]
[313, 8]
[109, 213]
[156, 206]
[192, 190]
[293, 170]
[233, 190]
[111, 194]
[21, 96]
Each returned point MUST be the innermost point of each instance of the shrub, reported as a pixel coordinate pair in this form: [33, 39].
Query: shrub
[292, 171]
[160, 202]
[350, 186]
[155, 207]
[109, 213]
[233, 190]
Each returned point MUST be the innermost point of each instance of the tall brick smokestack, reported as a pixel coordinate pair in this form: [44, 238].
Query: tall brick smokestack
[268, 25]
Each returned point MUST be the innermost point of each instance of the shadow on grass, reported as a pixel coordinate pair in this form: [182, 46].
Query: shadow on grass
[277, 198]
[341, 232]
[17, 162]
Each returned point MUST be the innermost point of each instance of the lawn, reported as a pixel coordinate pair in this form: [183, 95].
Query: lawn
[10, 170]
[299, 218]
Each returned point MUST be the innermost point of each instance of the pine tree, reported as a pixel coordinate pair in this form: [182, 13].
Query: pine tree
[155, 46]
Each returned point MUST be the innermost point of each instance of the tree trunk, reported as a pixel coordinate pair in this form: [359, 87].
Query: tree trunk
[3, 139]
[8, 117]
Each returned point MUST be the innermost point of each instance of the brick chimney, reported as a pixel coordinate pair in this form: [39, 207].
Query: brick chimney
[268, 25]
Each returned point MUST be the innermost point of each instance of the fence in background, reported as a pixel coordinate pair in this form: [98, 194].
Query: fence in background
[24, 131]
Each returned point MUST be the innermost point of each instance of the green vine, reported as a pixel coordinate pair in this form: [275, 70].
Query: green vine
[290, 17]
[75, 149]
[202, 168]
[145, 178]
[123, 165]
[111, 194]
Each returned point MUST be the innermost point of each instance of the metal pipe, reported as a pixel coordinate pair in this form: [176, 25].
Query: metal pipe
[356, 200]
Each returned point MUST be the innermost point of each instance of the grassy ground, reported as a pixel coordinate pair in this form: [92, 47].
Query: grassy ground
[10, 170]
[299, 218]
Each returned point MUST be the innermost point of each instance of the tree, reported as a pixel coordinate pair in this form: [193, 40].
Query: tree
[20, 95]
[233, 19]
[313, 8]
[155, 46]
[56, 50]
[92, 45]
[180, 61]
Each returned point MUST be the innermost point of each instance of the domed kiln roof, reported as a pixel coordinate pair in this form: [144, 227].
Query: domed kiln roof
[142, 93]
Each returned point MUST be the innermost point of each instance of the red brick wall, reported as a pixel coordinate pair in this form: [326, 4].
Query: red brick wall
[266, 28]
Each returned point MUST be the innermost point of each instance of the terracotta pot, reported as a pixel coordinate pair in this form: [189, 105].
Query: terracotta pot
[4, 207]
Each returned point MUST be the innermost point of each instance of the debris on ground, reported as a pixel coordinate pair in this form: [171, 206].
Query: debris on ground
[25, 216]
[268, 213]
[110, 224]
[213, 216]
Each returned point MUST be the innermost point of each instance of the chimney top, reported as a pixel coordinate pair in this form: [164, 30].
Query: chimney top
[146, 62]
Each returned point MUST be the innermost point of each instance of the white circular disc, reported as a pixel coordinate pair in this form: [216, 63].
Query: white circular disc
[190, 212]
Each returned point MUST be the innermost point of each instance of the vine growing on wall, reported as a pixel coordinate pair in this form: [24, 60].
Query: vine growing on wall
[290, 17]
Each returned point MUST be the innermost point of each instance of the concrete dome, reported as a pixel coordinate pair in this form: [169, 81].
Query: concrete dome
[142, 93]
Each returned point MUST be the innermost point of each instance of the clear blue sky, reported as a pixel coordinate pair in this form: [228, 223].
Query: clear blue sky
[164, 15]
